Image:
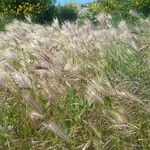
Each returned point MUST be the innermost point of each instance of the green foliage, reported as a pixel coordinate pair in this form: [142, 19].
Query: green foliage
[123, 12]
[67, 13]
[120, 9]
[4, 21]
[104, 6]
[130, 66]
[142, 6]
[39, 11]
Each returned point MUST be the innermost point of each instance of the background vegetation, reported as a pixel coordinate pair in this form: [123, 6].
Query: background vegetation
[78, 85]
[69, 12]
[121, 9]
[45, 11]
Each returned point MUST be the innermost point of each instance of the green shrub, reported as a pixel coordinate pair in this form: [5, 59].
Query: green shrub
[4, 21]
[123, 12]
[142, 6]
[120, 9]
[104, 6]
[68, 12]
[39, 11]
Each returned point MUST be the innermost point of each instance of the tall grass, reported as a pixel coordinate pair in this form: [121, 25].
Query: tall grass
[75, 87]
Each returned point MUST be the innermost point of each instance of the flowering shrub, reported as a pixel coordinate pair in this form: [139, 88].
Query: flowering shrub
[24, 8]
[34, 9]
[123, 7]
[106, 6]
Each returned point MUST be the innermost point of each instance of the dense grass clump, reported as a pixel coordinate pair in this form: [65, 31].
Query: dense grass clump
[75, 87]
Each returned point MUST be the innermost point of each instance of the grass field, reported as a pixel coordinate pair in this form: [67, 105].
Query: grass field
[75, 87]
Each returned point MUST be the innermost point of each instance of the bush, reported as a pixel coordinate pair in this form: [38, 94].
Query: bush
[68, 12]
[142, 6]
[39, 11]
[123, 12]
[104, 6]
[120, 9]
[4, 21]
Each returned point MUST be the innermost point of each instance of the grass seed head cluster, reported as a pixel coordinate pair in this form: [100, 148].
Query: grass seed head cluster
[88, 85]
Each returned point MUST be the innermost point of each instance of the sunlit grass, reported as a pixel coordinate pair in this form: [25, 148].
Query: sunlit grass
[75, 87]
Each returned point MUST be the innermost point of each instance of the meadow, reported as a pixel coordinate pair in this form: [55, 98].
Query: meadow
[75, 87]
